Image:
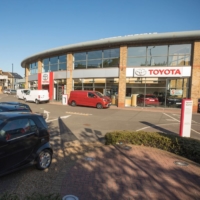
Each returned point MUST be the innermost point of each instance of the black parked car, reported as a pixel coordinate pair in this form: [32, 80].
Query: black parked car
[173, 101]
[24, 141]
[12, 108]
[16, 104]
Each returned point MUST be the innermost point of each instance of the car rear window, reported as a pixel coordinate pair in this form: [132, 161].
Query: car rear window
[150, 96]
[43, 122]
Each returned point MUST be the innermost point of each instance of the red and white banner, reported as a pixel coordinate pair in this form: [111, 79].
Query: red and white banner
[45, 78]
[186, 118]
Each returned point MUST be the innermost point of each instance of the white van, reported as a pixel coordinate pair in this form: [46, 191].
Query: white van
[37, 96]
[21, 93]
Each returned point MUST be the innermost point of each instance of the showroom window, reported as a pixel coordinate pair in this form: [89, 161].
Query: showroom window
[179, 55]
[107, 86]
[62, 62]
[156, 91]
[33, 67]
[97, 59]
[163, 55]
[54, 63]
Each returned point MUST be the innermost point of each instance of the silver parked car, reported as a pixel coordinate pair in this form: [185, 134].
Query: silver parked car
[12, 92]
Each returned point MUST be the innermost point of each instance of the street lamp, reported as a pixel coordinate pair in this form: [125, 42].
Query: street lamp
[12, 77]
[150, 54]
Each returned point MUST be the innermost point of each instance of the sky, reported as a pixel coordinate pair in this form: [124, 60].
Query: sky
[28, 27]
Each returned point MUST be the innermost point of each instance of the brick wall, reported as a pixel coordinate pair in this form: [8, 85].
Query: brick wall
[39, 66]
[195, 83]
[26, 75]
[69, 67]
[122, 76]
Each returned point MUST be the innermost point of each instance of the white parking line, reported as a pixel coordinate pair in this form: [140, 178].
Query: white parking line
[171, 117]
[47, 113]
[75, 113]
[179, 121]
[62, 117]
[154, 126]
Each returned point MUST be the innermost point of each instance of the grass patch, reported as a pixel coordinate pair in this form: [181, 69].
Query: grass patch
[186, 147]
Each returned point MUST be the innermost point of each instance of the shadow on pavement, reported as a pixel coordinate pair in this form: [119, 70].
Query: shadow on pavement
[65, 133]
[157, 127]
[95, 171]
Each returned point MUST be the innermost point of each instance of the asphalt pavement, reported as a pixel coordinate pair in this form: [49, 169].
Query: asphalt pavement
[84, 167]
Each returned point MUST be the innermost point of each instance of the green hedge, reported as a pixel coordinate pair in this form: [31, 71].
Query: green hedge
[186, 147]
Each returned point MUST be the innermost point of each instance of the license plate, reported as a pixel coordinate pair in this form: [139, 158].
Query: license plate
[151, 100]
[178, 103]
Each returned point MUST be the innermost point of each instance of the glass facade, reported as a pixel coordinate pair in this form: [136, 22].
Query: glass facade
[33, 68]
[54, 63]
[107, 86]
[59, 89]
[163, 55]
[161, 92]
[97, 59]
[157, 91]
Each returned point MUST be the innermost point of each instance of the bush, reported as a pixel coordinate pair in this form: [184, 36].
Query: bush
[186, 147]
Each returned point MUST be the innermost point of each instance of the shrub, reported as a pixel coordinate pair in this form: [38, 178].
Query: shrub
[186, 147]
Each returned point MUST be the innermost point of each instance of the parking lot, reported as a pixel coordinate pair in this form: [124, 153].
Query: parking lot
[76, 130]
[87, 124]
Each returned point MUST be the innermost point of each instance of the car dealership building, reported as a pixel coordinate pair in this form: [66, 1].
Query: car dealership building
[164, 66]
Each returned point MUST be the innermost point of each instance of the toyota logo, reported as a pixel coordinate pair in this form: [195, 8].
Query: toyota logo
[45, 77]
[140, 72]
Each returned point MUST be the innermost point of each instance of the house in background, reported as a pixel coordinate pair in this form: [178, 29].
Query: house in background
[9, 80]
[3, 80]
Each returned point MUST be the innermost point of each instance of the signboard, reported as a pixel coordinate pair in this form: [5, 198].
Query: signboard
[45, 78]
[158, 72]
[64, 99]
[186, 118]
[176, 92]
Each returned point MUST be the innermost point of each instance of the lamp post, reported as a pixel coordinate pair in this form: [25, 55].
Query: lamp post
[150, 54]
[12, 77]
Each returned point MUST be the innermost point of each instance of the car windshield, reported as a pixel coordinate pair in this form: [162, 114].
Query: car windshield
[99, 94]
[25, 91]
[150, 96]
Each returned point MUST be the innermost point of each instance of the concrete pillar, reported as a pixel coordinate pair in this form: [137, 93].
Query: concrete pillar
[27, 72]
[195, 83]
[39, 66]
[69, 69]
[122, 77]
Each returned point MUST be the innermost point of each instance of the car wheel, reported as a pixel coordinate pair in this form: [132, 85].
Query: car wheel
[73, 103]
[99, 106]
[36, 101]
[44, 159]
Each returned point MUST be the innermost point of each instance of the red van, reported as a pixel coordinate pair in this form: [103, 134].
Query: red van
[89, 98]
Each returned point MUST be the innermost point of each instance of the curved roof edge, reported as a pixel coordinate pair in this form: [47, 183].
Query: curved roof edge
[113, 40]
